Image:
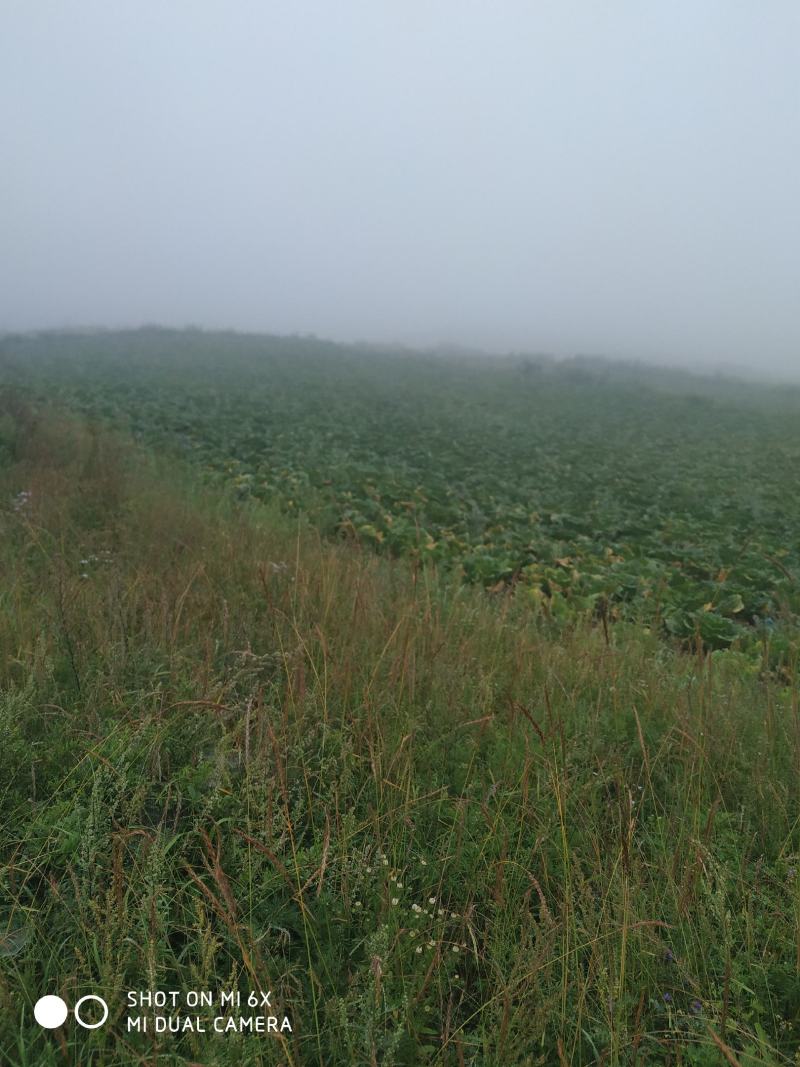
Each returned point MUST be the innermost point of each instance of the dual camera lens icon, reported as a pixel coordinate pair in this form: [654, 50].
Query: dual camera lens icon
[52, 1011]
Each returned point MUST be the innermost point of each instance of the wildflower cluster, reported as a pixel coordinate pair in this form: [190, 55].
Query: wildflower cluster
[425, 921]
[94, 559]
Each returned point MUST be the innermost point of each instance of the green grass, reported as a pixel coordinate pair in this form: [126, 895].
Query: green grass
[228, 746]
[638, 494]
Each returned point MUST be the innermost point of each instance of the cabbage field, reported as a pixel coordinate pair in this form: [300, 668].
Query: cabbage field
[592, 488]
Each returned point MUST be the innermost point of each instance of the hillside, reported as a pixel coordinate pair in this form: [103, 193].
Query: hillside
[439, 825]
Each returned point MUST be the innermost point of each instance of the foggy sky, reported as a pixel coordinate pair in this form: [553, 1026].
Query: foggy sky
[617, 177]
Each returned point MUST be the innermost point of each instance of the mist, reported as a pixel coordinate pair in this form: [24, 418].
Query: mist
[552, 177]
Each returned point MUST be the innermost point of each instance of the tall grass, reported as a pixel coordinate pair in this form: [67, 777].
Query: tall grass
[440, 832]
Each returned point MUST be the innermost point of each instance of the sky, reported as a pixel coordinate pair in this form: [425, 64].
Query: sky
[610, 177]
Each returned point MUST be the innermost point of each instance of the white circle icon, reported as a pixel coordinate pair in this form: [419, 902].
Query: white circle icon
[79, 1020]
[50, 1012]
